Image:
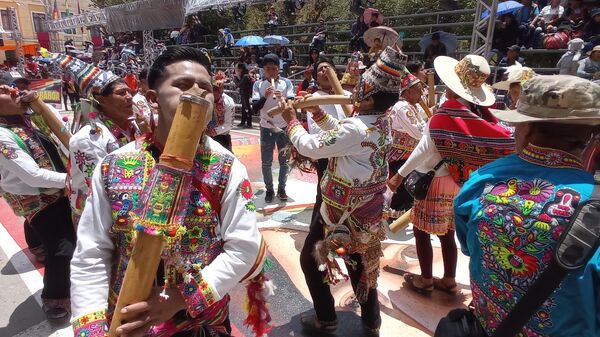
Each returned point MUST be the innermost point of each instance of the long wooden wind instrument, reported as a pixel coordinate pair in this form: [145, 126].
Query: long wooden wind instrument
[49, 121]
[312, 101]
[431, 87]
[338, 90]
[155, 217]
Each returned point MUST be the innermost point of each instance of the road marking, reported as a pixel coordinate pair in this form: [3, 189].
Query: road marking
[27, 271]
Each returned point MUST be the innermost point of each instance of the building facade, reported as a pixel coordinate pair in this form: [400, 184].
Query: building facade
[31, 16]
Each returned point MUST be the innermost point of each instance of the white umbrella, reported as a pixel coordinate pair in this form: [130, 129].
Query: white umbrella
[387, 35]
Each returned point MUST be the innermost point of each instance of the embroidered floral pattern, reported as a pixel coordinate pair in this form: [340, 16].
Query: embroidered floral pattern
[469, 74]
[8, 151]
[191, 245]
[550, 157]
[91, 325]
[519, 224]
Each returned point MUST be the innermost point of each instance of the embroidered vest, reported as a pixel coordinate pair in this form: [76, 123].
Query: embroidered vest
[124, 176]
[360, 204]
[402, 146]
[24, 135]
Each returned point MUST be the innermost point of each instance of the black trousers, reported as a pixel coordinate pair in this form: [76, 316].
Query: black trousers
[55, 229]
[319, 291]
[401, 201]
[246, 111]
[224, 140]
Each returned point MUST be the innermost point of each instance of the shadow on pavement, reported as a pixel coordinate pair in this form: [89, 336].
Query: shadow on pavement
[23, 317]
[349, 325]
[9, 268]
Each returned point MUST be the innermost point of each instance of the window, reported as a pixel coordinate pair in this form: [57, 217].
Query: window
[6, 21]
[65, 15]
[38, 21]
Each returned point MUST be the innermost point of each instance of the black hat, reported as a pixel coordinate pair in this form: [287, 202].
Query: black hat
[435, 36]
[514, 47]
[594, 12]
[270, 59]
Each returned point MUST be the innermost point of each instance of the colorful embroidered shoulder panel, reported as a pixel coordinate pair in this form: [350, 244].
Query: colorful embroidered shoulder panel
[519, 224]
[550, 157]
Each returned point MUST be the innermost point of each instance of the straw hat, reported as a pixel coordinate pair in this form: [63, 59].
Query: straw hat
[557, 98]
[516, 74]
[466, 78]
[596, 49]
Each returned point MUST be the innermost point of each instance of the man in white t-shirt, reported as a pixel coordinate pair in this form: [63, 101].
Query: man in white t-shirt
[272, 128]
[549, 15]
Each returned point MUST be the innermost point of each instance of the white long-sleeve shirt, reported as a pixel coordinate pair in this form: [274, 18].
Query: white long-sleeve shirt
[19, 172]
[224, 123]
[86, 150]
[96, 249]
[335, 110]
[408, 123]
[258, 90]
[424, 158]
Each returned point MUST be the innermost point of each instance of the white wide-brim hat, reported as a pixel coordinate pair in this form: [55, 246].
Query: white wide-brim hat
[516, 74]
[466, 78]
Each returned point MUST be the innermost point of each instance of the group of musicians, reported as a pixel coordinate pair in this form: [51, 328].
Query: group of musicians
[361, 147]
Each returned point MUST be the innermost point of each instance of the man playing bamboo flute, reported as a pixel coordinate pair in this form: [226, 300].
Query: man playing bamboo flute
[217, 246]
[352, 190]
[33, 179]
[108, 126]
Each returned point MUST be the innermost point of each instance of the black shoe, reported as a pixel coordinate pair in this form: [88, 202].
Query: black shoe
[241, 125]
[281, 195]
[269, 196]
[248, 127]
[370, 332]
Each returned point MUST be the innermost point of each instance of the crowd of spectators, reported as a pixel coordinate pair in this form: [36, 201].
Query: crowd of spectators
[548, 25]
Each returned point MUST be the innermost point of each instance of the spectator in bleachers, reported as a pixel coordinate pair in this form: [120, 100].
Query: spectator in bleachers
[417, 68]
[569, 62]
[358, 30]
[313, 56]
[524, 17]
[286, 57]
[173, 35]
[227, 43]
[303, 86]
[272, 21]
[375, 49]
[589, 68]
[576, 14]
[505, 33]
[512, 57]
[320, 37]
[374, 18]
[245, 55]
[549, 16]
[591, 31]
[435, 49]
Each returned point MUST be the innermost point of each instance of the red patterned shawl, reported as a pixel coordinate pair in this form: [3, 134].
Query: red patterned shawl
[466, 141]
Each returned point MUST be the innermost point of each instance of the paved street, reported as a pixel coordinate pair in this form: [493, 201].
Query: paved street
[284, 227]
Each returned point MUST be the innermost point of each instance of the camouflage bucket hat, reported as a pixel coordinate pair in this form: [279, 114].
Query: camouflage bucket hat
[557, 98]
